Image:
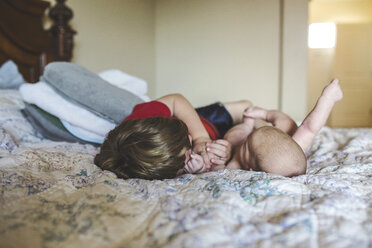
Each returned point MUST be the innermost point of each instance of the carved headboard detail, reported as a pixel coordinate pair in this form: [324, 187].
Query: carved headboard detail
[61, 32]
[24, 40]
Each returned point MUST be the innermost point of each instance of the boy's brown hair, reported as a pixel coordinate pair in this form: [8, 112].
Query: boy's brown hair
[149, 148]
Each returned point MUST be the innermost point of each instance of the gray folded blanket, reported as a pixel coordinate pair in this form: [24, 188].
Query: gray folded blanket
[87, 90]
[48, 125]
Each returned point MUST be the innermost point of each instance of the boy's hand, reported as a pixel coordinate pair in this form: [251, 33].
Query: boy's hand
[195, 165]
[200, 147]
[219, 151]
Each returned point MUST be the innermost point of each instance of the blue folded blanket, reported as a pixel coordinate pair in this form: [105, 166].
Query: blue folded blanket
[86, 89]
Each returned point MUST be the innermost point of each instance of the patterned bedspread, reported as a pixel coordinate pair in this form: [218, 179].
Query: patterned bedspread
[52, 195]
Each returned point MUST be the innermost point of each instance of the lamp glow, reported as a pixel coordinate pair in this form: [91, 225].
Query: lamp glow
[322, 35]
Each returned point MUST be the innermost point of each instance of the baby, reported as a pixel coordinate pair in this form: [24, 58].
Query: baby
[279, 148]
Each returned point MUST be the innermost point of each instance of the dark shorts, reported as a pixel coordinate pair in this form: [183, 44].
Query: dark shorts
[218, 115]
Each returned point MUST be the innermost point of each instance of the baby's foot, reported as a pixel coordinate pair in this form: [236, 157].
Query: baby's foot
[255, 113]
[333, 91]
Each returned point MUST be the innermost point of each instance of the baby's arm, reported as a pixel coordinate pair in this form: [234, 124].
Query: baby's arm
[182, 109]
[239, 133]
[317, 118]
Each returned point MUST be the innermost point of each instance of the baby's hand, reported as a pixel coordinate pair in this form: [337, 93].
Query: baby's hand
[219, 151]
[195, 164]
[333, 91]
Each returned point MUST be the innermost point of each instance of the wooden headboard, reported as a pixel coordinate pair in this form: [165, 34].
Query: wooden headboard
[24, 40]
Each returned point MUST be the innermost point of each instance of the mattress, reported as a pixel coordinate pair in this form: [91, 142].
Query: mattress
[52, 195]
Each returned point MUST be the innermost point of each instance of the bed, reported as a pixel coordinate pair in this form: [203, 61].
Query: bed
[52, 194]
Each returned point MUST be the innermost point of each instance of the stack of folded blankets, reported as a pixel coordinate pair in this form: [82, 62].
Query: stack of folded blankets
[71, 103]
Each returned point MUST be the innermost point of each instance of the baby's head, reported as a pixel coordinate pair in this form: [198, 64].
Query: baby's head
[149, 148]
[272, 150]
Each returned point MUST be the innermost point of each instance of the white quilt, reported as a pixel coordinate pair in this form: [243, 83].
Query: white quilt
[52, 195]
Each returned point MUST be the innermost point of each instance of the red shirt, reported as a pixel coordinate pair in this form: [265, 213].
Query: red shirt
[156, 108]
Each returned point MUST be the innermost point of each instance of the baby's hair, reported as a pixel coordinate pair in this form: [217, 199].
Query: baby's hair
[149, 148]
[276, 152]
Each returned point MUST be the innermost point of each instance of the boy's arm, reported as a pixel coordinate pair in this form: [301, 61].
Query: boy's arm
[317, 118]
[181, 108]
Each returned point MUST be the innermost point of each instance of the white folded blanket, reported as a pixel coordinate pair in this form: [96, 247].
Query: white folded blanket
[127, 82]
[42, 95]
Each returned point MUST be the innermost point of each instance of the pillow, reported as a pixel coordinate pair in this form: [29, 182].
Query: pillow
[10, 78]
[83, 87]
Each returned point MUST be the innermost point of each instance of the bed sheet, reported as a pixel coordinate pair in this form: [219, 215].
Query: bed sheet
[52, 195]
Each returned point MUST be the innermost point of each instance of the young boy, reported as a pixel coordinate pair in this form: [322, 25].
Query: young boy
[159, 137]
[280, 148]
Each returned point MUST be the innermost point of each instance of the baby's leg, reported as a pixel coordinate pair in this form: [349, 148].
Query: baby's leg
[317, 118]
[277, 118]
[236, 110]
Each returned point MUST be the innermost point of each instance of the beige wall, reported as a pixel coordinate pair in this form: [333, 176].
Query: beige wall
[229, 50]
[293, 93]
[208, 50]
[115, 34]
[320, 61]
[346, 11]
[218, 50]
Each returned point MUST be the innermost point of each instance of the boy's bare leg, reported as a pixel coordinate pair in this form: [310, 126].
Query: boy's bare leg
[317, 118]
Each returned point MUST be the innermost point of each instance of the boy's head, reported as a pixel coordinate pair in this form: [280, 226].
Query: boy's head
[149, 148]
[272, 150]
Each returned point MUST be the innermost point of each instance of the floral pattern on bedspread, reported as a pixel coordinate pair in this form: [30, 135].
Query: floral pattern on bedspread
[52, 195]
